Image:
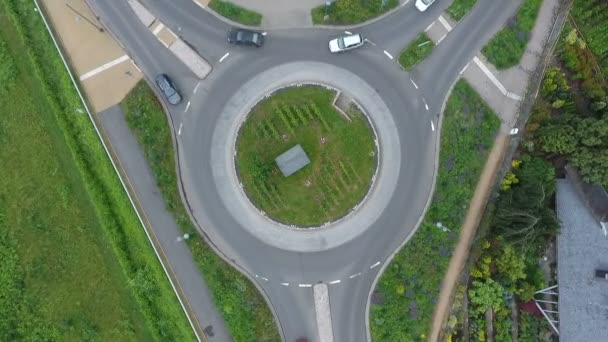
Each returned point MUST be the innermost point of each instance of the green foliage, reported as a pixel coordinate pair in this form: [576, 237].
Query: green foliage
[342, 154]
[236, 13]
[590, 17]
[242, 307]
[416, 51]
[459, 8]
[509, 44]
[8, 71]
[348, 12]
[508, 181]
[530, 328]
[485, 295]
[511, 264]
[555, 86]
[467, 133]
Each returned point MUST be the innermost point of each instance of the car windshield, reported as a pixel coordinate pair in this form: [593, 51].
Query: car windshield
[427, 2]
[341, 42]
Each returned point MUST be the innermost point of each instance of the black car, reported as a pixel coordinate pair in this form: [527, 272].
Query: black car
[168, 88]
[245, 37]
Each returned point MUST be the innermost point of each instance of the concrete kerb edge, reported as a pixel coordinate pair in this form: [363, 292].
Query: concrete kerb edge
[420, 219]
[84, 102]
[354, 209]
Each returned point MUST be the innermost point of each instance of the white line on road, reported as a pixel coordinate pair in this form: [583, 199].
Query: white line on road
[425, 104]
[405, 3]
[103, 67]
[429, 27]
[179, 131]
[224, 57]
[465, 68]
[196, 87]
[158, 28]
[432, 126]
[187, 106]
[135, 65]
[348, 32]
[494, 80]
[335, 281]
[445, 23]
[442, 38]
[414, 83]
[388, 54]
[374, 265]
[264, 279]
[285, 284]
[354, 275]
[305, 285]
[369, 41]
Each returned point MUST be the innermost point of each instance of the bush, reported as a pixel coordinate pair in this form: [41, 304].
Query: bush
[459, 8]
[416, 51]
[347, 12]
[236, 13]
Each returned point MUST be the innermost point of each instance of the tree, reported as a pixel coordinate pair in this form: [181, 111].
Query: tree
[557, 138]
[484, 295]
[511, 265]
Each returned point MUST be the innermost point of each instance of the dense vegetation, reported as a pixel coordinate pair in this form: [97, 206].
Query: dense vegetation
[509, 44]
[416, 51]
[247, 316]
[403, 301]
[236, 13]
[75, 261]
[592, 19]
[459, 8]
[348, 12]
[341, 151]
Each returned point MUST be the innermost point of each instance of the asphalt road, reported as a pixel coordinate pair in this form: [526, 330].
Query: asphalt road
[354, 263]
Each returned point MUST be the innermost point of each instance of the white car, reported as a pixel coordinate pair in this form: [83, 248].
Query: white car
[344, 43]
[422, 5]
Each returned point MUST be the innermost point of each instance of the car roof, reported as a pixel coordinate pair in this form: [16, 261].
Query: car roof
[352, 40]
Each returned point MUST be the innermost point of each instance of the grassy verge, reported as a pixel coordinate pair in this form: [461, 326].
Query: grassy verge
[348, 12]
[236, 13]
[418, 50]
[459, 8]
[243, 308]
[509, 44]
[341, 152]
[403, 301]
[76, 263]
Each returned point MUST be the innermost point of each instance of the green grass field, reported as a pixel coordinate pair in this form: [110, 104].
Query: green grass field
[509, 44]
[246, 314]
[459, 8]
[342, 155]
[236, 13]
[403, 301]
[76, 263]
[416, 51]
[349, 12]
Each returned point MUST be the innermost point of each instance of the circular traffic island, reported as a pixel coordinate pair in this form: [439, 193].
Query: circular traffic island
[304, 161]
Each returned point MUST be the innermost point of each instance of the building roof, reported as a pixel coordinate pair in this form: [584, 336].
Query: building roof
[582, 248]
[292, 160]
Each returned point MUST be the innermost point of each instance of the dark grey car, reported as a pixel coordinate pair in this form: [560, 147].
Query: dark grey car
[168, 88]
[245, 37]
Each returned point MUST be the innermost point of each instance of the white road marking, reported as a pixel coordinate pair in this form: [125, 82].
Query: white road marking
[442, 38]
[375, 265]
[135, 65]
[264, 279]
[103, 67]
[494, 80]
[335, 281]
[369, 41]
[305, 285]
[348, 32]
[224, 56]
[196, 87]
[464, 68]
[179, 131]
[425, 105]
[429, 27]
[198, 3]
[354, 275]
[432, 126]
[445, 23]
[264, 33]
[414, 83]
[158, 28]
[285, 284]
[388, 54]
[187, 106]
[405, 3]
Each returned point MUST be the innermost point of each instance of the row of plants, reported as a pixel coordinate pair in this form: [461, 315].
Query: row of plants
[348, 12]
[244, 310]
[508, 45]
[65, 307]
[416, 51]
[403, 301]
[459, 8]
[236, 13]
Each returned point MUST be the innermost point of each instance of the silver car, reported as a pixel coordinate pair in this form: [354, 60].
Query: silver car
[344, 43]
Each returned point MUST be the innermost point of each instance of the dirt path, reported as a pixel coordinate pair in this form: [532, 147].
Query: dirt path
[467, 231]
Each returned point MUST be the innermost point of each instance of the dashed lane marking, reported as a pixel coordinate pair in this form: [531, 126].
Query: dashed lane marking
[103, 67]
[464, 68]
[414, 83]
[179, 131]
[354, 275]
[305, 285]
[388, 54]
[285, 284]
[432, 126]
[426, 106]
[196, 87]
[335, 281]
[224, 57]
[187, 106]
[375, 265]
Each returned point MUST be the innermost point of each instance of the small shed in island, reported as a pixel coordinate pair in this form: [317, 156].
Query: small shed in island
[292, 160]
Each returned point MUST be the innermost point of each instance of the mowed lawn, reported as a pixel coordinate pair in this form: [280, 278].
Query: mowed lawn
[342, 154]
[60, 277]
